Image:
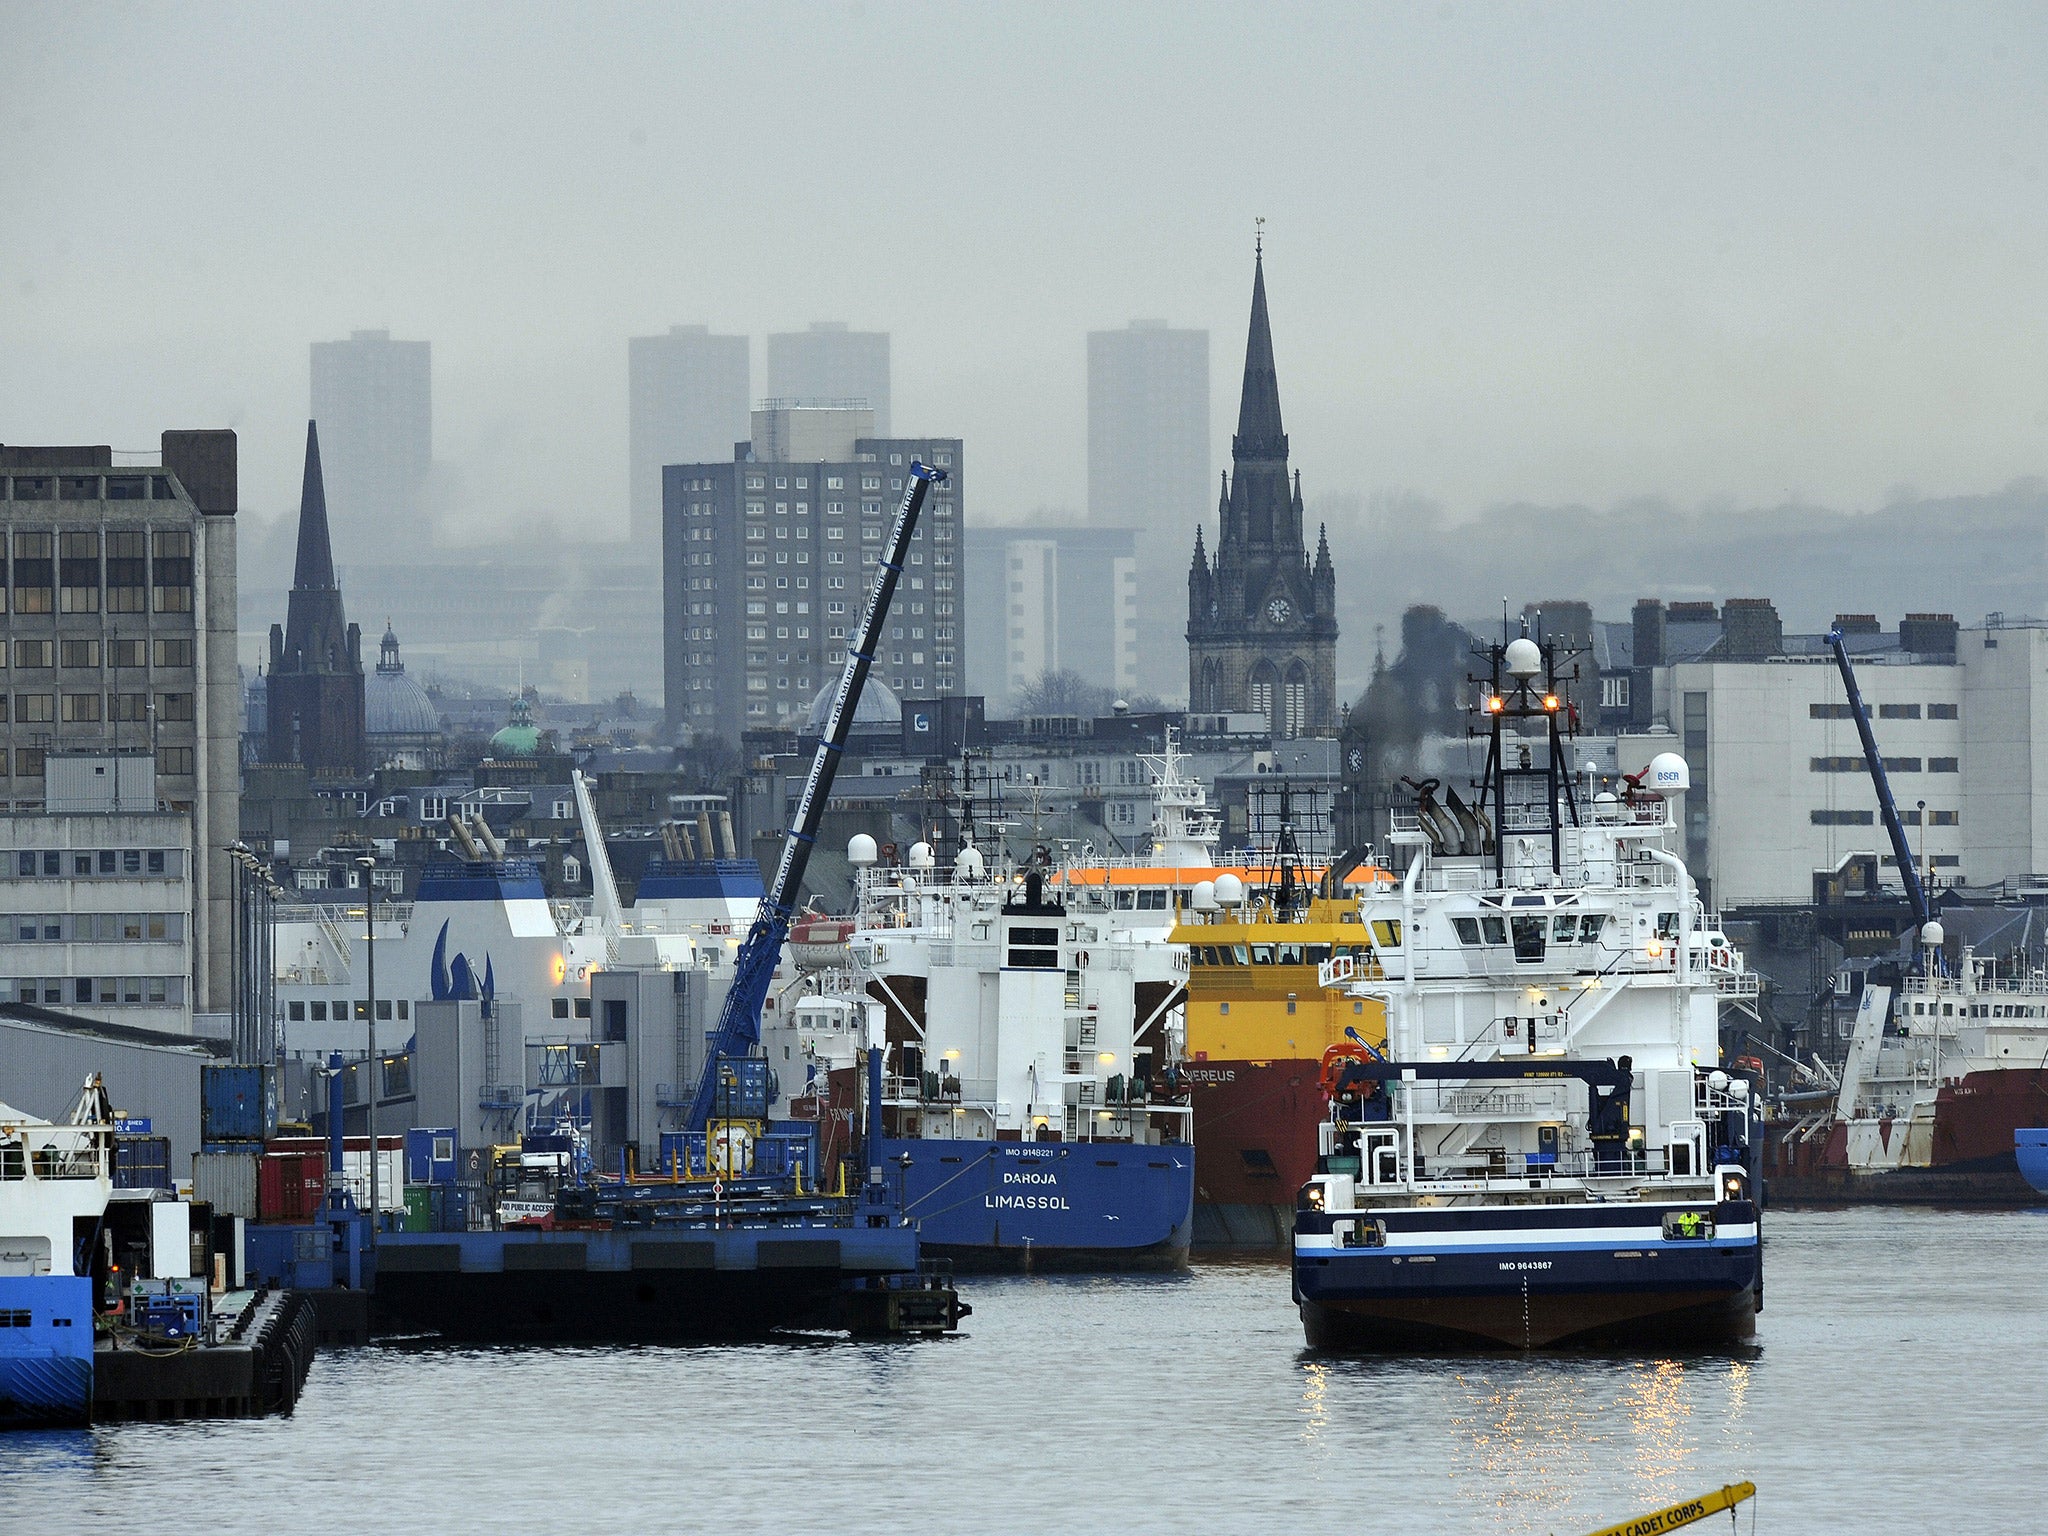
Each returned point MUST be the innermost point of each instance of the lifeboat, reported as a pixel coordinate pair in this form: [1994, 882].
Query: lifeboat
[820, 943]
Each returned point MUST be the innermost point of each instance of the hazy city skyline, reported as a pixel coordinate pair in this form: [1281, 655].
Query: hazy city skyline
[1515, 254]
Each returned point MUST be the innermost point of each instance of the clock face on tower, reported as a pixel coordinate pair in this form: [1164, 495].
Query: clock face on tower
[1278, 610]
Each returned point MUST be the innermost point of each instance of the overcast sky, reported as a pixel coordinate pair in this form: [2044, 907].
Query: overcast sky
[1554, 253]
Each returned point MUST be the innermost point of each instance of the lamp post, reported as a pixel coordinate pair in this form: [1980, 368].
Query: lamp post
[368, 866]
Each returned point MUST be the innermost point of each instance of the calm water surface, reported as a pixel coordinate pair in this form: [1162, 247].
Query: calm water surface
[1896, 1384]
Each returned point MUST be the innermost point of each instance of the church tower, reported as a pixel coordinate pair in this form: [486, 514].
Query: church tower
[1262, 614]
[315, 686]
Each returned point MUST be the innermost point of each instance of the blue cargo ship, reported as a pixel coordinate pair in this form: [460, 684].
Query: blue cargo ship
[1032, 1116]
[52, 1177]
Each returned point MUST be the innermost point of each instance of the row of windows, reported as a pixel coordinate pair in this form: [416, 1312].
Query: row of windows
[40, 655]
[1273, 954]
[90, 708]
[343, 1009]
[93, 927]
[1884, 712]
[30, 864]
[171, 762]
[136, 564]
[1867, 818]
[89, 488]
[1891, 765]
[59, 991]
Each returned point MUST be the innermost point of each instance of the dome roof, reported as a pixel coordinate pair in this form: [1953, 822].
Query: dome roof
[878, 705]
[519, 739]
[394, 704]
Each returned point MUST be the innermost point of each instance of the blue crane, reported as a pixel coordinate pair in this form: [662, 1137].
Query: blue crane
[739, 1022]
[1889, 807]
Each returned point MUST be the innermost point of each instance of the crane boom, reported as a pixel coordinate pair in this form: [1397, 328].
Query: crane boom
[739, 1020]
[1889, 807]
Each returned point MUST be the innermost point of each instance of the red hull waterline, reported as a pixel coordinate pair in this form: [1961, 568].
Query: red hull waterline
[1255, 1146]
[1971, 1156]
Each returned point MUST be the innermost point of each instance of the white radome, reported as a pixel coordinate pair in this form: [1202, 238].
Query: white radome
[1523, 658]
[921, 856]
[860, 850]
[1932, 934]
[1668, 775]
[1203, 896]
[1229, 891]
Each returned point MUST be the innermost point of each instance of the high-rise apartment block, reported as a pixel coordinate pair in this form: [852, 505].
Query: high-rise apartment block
[687, 400]
[767, 561]
[373, 398]
[829, 365]
[117, 604]
[1148, 462]
[1050, 599]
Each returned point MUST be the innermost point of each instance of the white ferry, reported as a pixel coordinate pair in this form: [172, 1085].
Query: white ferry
[1547, 1152]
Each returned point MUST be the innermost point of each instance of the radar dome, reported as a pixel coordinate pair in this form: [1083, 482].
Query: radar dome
[968, 864]
[860, 850]
[1203, 897]
[921, 856]
[1229, 891]
[1523, 658]
[1718, 1080]
[1932, 934]
[1668, 775]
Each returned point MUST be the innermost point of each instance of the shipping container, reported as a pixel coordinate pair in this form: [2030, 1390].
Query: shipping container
[356, 1165]
[142, 1162]
[226, 1181]
[290, 1186]
[430, 1155]
[237, 1103]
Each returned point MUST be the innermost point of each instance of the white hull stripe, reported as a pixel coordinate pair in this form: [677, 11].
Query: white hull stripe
[1529, 1238]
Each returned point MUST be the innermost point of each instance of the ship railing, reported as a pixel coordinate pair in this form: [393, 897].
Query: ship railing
[1494, 1168]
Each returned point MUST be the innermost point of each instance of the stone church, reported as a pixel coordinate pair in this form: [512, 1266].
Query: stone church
[1262, 616]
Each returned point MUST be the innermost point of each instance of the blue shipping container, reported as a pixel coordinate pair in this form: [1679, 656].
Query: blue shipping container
[142, 1162]
[430, 1155]
[237, 1103]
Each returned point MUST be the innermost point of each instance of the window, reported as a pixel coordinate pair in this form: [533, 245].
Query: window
[174, 762]
[81, 708]
[1829, 712]
[28, 764]
[1842, 818]
[35, 709]
[78, 571]
[1941, 712]
[81, 653]
[1942, 818]
[1898, 711]
[127, 567]
[171, 573]
[1942, 765]
[35, 654]
[1386, 932]
[174, 706]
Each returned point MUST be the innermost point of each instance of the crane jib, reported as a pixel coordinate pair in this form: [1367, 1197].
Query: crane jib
[739, 1020]
[1894, 825]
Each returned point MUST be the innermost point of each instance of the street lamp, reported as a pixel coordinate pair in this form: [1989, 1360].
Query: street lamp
[368, 865]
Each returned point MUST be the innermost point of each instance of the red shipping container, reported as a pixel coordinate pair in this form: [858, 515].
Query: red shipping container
[290, 1186]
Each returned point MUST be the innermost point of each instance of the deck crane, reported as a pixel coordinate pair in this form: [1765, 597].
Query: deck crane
[738, 1029]
[1928, 932]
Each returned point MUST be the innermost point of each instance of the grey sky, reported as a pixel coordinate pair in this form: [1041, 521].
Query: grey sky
[1553, 253]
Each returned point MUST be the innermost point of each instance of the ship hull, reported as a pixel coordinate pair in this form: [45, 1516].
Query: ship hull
[1968, 1159]
[46, 1361]
[2030, 1148]
[1255, 1146]
[1080, 1205]
[1588, 1277]
[631, 1286]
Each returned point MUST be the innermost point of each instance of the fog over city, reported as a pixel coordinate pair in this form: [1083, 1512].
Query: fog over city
[1743, 258]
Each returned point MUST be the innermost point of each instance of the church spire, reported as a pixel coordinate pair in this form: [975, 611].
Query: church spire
[1259, 432]
[315, 568]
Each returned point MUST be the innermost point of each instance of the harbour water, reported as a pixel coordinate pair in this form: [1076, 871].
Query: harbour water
[1895, 1386]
